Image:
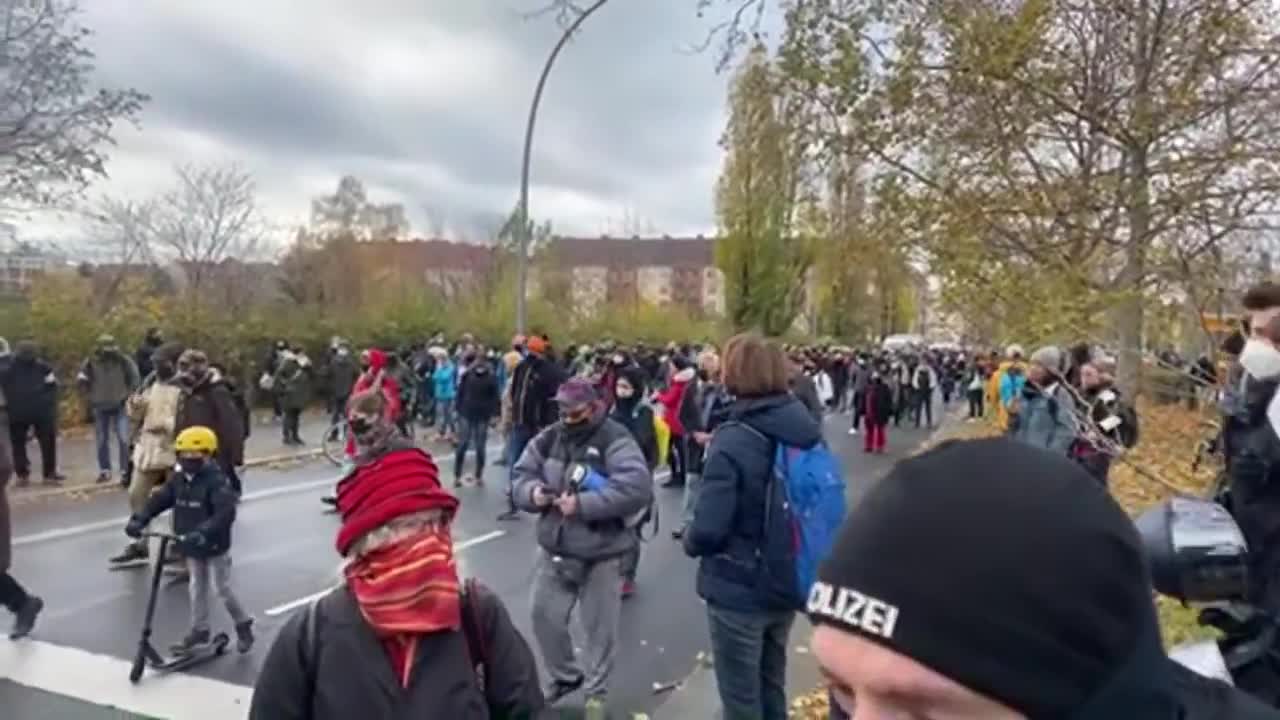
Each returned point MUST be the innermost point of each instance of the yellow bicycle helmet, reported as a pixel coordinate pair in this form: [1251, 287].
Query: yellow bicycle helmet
[196, 439]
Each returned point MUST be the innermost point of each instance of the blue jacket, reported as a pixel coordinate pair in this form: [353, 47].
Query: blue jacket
[445, 379]
[203, 503]
[728, 520]
[1046, 419]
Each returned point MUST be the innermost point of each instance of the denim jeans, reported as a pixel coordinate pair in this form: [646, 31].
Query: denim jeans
[474, 432]
[106, 421]
[750, 652]
[445, 407]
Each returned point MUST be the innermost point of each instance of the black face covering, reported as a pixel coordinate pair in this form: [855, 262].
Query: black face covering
[165, 370]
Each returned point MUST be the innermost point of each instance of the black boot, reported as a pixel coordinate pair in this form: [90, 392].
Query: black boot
[24, 620]
[244, 636]
[133, 552]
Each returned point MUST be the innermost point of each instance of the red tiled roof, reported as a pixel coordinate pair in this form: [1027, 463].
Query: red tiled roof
[634, 252]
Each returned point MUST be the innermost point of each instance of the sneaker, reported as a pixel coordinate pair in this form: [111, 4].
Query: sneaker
[192, 642]
[478, 480]
[133, 552]
[457, 483]
[23, 481]
[557, 690]
[628, 588]
[54, 480]
[853, 431]
[104, 477]
[24, 621]
[244, 636]
[678, 533]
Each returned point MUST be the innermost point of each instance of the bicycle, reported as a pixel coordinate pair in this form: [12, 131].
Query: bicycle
[334, 442]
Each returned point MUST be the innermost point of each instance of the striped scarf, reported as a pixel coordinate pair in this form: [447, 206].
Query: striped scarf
[407, 589]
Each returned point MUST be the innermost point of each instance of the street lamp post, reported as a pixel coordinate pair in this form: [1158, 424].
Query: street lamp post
[522, 213]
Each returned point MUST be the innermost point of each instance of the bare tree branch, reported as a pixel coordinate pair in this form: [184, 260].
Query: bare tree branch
[53, 123]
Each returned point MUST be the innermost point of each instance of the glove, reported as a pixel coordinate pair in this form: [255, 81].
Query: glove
[134, 527]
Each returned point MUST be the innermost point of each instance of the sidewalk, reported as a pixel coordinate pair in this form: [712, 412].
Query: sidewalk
[78, 454]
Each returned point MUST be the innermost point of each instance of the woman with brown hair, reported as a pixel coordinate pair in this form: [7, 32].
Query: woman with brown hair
[730, 532]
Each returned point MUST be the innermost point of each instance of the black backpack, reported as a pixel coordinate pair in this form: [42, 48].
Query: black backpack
[477, 648]
[923, 379]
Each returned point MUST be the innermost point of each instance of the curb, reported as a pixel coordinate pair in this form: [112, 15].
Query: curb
[19, 496]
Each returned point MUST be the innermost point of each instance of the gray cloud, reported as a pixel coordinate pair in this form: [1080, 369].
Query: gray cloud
[426, 101]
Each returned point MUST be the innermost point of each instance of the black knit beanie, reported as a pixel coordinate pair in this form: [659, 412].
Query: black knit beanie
[1006, 569]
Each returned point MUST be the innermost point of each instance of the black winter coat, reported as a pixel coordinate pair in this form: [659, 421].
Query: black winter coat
[30, 396]
[728, 527]
[342, 672]
[479, 399]
[212, 405]
[533, 391]
[879, 399]
[203, 503]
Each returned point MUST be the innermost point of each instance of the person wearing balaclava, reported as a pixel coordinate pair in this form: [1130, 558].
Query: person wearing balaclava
[153, 415]
[980, 522]
[31, 388]
[632, 412]
[587, 480]
[107, 378]
[1253, 470]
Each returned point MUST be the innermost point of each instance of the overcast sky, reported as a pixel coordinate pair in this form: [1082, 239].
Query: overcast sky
[424, 100]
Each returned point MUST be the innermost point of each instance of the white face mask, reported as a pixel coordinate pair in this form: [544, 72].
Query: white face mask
[626, 392]
[1260, 359]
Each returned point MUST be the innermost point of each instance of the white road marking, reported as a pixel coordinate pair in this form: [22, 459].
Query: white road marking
[74, 530]
[103, 680]
[87, 528]
[295, 604]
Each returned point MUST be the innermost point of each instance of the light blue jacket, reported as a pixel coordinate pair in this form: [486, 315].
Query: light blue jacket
[446, 381]
[1011, 386]
[1046, 420]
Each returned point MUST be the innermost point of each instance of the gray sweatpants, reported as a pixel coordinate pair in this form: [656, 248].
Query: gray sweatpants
[200, 569]
[599, 601]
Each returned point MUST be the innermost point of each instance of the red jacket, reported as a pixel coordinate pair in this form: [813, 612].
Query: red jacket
[672, 398]
[376, 375]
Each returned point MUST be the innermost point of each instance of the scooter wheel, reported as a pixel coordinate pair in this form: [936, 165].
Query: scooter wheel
[135, 672]
[220, 643]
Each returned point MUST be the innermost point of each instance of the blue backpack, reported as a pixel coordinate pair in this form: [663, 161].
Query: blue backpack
[804, 508]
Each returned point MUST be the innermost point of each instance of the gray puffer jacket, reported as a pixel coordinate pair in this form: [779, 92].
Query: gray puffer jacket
[599, 529]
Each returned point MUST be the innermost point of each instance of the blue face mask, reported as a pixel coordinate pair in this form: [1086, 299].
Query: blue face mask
[191, 466]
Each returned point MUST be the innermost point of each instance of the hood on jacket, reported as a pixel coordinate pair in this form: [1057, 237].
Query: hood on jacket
[377, 360]
[779, 416]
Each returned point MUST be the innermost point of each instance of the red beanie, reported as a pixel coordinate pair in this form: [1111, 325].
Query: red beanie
[399, 483]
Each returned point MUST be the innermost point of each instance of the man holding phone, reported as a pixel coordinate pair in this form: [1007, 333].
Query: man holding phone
[588, 481]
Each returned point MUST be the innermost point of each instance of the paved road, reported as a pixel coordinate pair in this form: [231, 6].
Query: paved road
[283, 552]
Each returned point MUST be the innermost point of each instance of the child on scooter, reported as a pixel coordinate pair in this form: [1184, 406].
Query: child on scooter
[204, 507]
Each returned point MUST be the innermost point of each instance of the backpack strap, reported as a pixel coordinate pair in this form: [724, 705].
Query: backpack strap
[477, 645]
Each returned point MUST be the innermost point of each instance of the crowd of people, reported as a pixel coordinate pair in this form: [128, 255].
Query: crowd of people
[586, 432]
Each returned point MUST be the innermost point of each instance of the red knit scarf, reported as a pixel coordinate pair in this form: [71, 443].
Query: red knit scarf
[408, 589]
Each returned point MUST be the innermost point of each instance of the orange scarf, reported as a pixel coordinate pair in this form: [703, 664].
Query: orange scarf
[407, 589]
